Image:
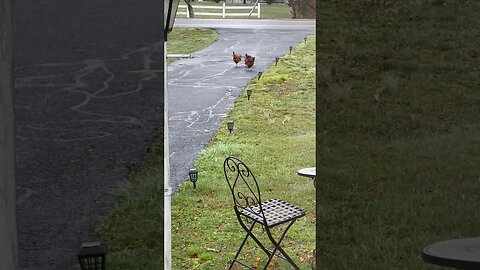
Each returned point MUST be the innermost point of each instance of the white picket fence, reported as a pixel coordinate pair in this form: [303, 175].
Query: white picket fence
[224, 9]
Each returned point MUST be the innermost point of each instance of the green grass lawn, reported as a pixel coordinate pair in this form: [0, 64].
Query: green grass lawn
[275, 136]
[189, 40]
[273, 11]
[133, 231]
[399, 132]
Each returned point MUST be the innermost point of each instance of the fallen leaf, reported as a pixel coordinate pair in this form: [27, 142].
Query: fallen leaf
[255, 264]
[213, 250]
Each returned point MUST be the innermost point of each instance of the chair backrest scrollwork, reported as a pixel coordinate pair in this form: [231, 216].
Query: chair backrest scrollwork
[243, 185]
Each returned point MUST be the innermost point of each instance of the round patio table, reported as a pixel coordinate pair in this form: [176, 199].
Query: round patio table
[455, 253]
[310, 173]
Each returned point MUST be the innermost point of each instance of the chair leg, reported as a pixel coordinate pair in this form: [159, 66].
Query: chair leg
[270, 254]
[288, 258]
[279, 248]
[241, 246]
[249, 232]
[267, 252]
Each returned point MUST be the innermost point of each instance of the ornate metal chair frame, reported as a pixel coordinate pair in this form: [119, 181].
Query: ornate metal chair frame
[248, 205]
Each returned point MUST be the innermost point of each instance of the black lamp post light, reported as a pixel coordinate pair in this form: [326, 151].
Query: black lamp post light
[249, 93]
[291, 48]
[92, 256]
[193, 174]
[230, 126]
[259, 75]
[276, 60]
[305, 39]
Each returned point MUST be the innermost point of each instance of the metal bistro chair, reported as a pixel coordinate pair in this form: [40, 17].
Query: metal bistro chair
[248, 205]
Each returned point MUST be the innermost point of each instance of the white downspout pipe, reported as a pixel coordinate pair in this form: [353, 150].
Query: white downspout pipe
[167, 239]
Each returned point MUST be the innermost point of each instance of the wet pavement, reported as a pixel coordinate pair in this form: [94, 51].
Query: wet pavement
[203, 90]
[88, 81]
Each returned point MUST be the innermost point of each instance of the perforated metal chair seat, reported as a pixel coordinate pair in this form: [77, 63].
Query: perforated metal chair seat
[276, 212]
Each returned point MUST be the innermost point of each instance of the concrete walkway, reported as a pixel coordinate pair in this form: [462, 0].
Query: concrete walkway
[202, 90]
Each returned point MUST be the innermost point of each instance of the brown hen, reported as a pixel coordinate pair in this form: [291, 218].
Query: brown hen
[249, 61]
[236, 58]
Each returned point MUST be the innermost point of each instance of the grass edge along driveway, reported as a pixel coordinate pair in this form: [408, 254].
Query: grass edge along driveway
[133, 229]
[275, 136]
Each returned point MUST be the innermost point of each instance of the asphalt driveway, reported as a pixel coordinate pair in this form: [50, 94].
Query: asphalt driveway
[202, 90]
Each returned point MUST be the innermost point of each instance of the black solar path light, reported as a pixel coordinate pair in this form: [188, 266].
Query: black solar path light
[291, 48]
[305, 39]
[276, 60]
[92, 256]
[249, 93]
[230, 126]
[193, 174]
[259, 75]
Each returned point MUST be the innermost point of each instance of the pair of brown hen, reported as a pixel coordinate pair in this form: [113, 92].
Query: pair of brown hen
[249, 60]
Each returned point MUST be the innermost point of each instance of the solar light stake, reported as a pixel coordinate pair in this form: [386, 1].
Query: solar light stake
[193, 174]
[291, 47]
[260, 74]
[249, 93]
[230, 126]
[276, 60]
[305, 39]
[92, 256]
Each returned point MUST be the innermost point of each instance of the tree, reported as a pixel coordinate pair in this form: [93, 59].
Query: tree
[8, 221]
[302, 9]
[190, 8]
